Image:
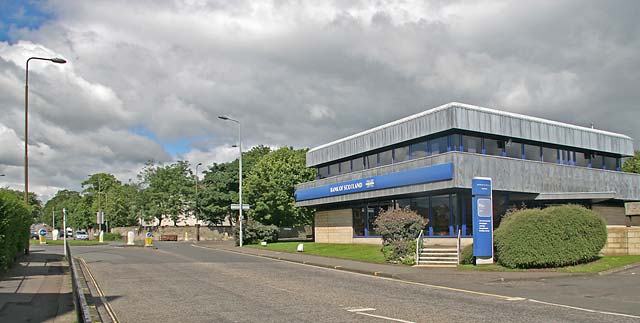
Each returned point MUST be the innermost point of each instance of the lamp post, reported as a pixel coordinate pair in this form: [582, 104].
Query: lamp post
[26, 121]
[240, 175]
[197, 218]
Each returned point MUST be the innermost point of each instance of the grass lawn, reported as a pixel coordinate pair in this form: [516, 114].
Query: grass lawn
[602, 264]
[71, 242]
[368, 253]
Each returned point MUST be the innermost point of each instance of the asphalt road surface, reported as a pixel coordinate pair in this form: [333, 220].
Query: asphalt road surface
[183, 283]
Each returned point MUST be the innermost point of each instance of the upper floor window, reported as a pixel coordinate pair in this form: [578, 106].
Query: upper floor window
[472, 144]
[531, 152]
[419, 149]
[513, 149]
[357, 164]
[400, 154]
[438, 145]
[493, 147]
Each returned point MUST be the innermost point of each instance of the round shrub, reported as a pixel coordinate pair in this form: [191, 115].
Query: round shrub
[399, 224]
[399, 229]
[553, 237]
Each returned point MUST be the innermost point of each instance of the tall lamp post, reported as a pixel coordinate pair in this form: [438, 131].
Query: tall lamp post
[26, 121]
[56, 60]
[197, 218]
[240, 175]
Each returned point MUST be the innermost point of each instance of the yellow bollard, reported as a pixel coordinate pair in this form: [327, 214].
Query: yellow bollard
[148, 240]
[186, 236]
[43, 240]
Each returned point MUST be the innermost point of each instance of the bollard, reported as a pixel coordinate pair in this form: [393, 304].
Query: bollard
[55, 234]
[300, 247]
[101, 237]
[43, 240]
[130, 238]
[186, 236]
[148, 240]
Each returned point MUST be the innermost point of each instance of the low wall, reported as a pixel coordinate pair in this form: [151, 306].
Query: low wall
[206, 233]
[622, 241]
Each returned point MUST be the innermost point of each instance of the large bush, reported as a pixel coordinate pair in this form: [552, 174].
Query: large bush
[552, 237]
[399, 229]
[254, 232]
[466, 255]
[15, 219]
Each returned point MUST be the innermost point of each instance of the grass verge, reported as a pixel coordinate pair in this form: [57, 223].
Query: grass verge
[601, 264]
[367, 253]
[71, 242]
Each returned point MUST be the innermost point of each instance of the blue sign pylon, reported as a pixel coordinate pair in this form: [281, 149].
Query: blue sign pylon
[482, 205]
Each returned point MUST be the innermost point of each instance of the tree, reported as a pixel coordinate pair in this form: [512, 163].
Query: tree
[219, 187]
[169, 190]
[78, 210]
[632, 164]
[271, 184]
[32, 201]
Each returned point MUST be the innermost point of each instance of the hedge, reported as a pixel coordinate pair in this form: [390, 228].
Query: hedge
[552, 237]
[254, 232]
[466, 255]
[15, 221]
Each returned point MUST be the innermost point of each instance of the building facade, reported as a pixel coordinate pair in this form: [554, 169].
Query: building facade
[426, 162]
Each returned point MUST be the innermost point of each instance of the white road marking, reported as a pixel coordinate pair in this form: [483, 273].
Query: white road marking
[585, 309]
[361, 309]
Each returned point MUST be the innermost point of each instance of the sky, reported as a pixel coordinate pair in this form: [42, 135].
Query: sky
[146, 80]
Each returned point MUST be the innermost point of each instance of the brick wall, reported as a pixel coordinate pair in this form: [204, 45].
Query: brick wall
[334, 226]
[622, 241]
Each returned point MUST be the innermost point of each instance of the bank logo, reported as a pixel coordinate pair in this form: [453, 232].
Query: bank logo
[370, 183]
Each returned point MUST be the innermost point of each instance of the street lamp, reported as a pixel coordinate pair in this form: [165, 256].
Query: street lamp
[26, 121]
[197, 218]
[240, 175]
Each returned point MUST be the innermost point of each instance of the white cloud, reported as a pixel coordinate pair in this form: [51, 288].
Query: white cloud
[296, 73]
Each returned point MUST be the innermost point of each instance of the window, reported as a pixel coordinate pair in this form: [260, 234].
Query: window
[334, 169]
[531, 152]
[549, 155]
[323, 172]
[513, 149]
[357, 164]
[454, 143]
[358, 222]
[493, 147]
[440, 216]
[345, 167]
[581, 159]
[385, 158]
[597, 161]
[610, 163]
[419, 150]
[472, 144]
[400, 154]
[372, 161]
[438, 145]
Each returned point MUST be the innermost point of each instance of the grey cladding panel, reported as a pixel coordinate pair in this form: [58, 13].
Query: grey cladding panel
[472, 118]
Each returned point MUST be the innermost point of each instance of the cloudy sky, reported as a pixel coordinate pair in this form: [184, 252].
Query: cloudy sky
[146, 80]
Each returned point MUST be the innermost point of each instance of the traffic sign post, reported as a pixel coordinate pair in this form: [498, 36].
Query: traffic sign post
[240, 218]
[148, 240]
[43, 236]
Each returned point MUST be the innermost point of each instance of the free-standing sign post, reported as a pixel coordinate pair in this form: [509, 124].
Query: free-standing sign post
[482, 200]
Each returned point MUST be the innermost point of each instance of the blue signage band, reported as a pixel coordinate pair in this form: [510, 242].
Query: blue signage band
[441, 172]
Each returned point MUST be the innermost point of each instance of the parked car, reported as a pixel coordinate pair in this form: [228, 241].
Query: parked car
[34, 235]
[69, 233]
[82, 235]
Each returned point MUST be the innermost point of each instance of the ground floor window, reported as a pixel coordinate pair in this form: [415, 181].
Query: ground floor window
[446, 213]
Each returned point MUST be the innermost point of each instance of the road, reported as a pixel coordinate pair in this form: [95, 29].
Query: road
[183, 283]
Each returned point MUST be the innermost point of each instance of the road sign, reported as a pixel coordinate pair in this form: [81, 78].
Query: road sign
[43, 232]
[99, 217]
[237, 207]
[149, 235]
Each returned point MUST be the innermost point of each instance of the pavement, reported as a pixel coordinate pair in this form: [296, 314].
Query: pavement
[37, 288]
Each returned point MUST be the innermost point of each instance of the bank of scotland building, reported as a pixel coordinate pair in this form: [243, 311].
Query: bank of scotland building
[426, 162]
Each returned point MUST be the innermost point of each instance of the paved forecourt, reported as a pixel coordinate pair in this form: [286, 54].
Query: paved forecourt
[179, 282]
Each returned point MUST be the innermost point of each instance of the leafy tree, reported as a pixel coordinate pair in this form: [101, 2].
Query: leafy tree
[632, 164]
[270, 188]
[219, 187]
[77, 208]
[169, 190]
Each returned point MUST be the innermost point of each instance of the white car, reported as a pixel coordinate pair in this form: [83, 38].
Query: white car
[82, 235]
